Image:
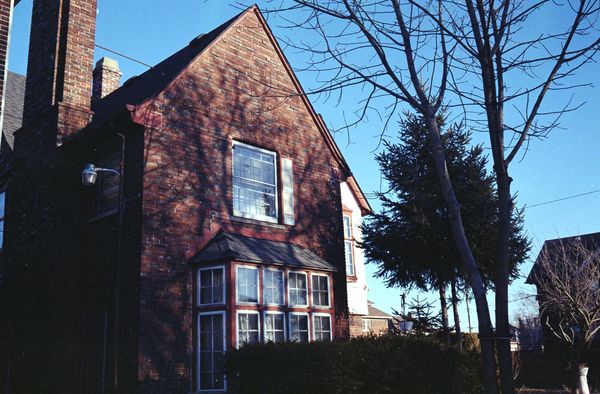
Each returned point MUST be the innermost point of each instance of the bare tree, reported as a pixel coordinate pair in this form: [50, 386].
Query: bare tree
[473, 54]
[567, 277]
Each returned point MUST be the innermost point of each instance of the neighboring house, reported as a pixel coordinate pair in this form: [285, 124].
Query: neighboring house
[546, 339]
[218, 218]
[376, 321]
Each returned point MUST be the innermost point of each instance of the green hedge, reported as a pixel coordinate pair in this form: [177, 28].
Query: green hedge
[388, 364]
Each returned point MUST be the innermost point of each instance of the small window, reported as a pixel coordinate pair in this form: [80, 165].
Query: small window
[348, 249]
[212, 286]
[322, 327]
[297, 288]
[273, 287]
[247, 284]
[2, 209]
[366, 325]
[254, 183]
[274, 327]
[320, 290]
[347, 227]
[298, 327]
[247, 331]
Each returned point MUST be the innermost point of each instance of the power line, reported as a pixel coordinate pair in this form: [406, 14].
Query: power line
[122, 55]
[562, 199]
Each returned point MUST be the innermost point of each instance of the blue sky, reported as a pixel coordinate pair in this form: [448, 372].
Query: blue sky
[565, 164]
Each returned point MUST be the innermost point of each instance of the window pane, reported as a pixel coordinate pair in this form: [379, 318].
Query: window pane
[254, 189]
[211, 350]
[274, 327]
[299, 328]
[320, 290]
[247, 328]
[297, 287]
[347, 227]
[349, 258]
[211, 286]
[273, 287]
[322, 328]
[247, 284]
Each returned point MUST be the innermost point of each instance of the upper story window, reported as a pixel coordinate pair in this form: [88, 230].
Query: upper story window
[349, 246]
[273, 287]
[247, 284]
[2, 208]
[297, 289]
[212, 286]
[254, 183]
[320, 290]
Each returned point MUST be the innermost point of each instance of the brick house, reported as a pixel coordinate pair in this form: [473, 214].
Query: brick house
[220, 221]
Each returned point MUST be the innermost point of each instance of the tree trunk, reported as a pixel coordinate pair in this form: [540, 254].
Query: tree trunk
[470, 266]
[459, 340]
[444, 308]
[501, 282]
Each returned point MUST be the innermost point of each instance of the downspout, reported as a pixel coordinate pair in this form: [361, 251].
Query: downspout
[119, 258]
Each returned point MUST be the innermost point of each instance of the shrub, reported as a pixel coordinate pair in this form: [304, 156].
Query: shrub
[388, 364]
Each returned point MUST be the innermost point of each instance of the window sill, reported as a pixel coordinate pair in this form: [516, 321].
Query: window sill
[351, 278]
[259, 222]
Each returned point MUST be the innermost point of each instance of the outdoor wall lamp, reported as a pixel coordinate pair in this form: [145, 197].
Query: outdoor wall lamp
[90, 174]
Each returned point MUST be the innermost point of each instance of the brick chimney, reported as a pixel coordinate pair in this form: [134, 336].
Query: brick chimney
[59, 69]
[107, 78]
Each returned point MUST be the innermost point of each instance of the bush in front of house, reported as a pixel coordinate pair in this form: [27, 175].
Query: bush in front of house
[388, 364]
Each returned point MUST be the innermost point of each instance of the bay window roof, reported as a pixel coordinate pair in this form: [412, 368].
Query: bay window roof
[227, 246]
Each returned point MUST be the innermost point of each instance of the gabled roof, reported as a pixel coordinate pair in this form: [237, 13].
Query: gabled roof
[227, 246]
[138, 90]
[552, 247]
[13, 106]
[377, 313]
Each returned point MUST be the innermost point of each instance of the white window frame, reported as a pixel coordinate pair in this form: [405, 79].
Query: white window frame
[351, 243]
[289, 289]
[237, 325]
[199, 285]
[283, 286]
[312, 289]
[347, 236]
[308, 325]
[313, 325]
[198, 358]
[237, 293]
[263, 218]
[367, 324]
[285, 337]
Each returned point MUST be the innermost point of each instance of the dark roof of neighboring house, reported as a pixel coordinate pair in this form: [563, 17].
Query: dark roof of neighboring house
[140, 88]
[377, 313]
[227, 246]
[551, 247]
[13, 106]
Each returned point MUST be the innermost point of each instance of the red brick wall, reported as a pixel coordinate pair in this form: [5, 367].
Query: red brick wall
[238, 90]
[61, 53]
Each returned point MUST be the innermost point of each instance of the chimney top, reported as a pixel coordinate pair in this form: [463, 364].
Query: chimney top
[107, 78]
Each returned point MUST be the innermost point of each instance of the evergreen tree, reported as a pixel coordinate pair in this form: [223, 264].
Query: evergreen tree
[411, 239]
